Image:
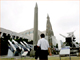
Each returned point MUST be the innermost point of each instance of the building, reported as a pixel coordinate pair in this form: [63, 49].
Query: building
[12, 34]
[30, 33]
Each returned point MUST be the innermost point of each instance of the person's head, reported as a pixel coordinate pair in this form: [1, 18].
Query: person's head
[42, 35]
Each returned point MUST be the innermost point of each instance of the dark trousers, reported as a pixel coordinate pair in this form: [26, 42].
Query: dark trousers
[37, 54]
[43, 55]
[37, 51]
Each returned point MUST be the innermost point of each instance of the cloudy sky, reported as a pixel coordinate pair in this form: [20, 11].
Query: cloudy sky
[18, 16]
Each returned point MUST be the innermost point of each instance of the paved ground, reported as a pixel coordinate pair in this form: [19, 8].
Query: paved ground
[29, 56]
[53, 57]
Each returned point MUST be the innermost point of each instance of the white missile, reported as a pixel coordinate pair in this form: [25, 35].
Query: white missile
[22, 44]
[16, 43]
[25, 43]
[12, 45]
[63, 36]
[25, 46]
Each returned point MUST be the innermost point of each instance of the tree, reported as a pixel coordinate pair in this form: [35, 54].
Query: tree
[4, 44]
[76, 42]
[56, 45]
[31, 42]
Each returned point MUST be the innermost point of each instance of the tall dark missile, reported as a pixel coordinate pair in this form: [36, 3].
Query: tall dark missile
[49, 32]
[35, 37]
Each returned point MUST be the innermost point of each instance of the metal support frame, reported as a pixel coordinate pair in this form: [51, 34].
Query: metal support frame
[69, 57]
[65, 51]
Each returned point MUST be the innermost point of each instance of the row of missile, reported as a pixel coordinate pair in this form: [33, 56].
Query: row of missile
[23, 46]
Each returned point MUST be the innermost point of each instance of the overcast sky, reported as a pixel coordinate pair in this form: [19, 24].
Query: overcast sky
[18, 16]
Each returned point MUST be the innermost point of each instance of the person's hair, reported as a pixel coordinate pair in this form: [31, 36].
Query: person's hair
[42, 35]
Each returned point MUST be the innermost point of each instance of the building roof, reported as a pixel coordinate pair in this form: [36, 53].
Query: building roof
[2, 30]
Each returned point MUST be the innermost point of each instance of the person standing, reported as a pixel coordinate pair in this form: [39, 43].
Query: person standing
[44, 45]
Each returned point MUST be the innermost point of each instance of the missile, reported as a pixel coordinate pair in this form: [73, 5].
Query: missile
[16, 43]
[12, 45]
[25, 46]
[63, 35]
[22, 44]
[25, 43]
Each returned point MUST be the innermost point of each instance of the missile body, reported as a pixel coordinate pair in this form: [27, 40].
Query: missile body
[12, 45]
